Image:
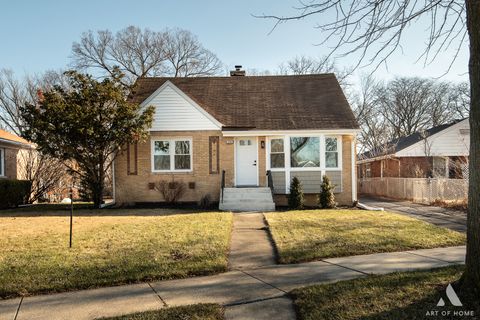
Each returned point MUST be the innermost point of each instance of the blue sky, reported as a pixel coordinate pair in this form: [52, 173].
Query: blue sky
[37, 35]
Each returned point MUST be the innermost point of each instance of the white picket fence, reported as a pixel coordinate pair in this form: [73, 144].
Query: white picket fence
[420, 190]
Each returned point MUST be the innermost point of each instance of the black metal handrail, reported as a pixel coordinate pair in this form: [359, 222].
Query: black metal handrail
[270, 180]
[223, 183]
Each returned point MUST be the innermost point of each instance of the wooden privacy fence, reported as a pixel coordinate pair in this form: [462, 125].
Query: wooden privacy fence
[420, 190]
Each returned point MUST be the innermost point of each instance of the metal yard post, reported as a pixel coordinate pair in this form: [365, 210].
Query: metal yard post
[71, 215]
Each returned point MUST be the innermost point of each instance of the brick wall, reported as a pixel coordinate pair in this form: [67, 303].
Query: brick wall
[345, 197]
[390, 168]
[135, 188]
[415, 167]
[410, 167]
[261, 163]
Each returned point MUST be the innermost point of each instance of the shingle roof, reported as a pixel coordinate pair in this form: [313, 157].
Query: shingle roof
[10, 137]
[399, 144]
[264, 102]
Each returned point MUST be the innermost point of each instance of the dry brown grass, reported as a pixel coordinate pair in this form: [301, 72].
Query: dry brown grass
[315, 234]
[109, 250]
[460, 205]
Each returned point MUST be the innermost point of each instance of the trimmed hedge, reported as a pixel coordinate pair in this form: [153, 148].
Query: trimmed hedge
[14, 192]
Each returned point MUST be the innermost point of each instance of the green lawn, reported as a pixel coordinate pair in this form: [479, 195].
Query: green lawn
[108, 250]
[397, 296]
[192, 312]
[315, 234]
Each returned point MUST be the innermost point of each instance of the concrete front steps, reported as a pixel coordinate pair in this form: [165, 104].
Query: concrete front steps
[247, 199]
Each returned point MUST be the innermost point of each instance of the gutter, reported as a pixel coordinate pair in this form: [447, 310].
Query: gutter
[388, 156]
[19, 144]
[253, 133]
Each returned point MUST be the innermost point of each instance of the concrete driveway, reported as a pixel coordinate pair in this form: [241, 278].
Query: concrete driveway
[452, 219]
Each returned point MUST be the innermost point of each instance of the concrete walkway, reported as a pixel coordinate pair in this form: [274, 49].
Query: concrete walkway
[251, 246]
[448, 218]
[256, 293]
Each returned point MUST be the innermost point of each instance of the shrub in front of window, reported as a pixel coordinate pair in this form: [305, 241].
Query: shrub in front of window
[14, 192]
[171, 191]
[326, 199]
[296, 198]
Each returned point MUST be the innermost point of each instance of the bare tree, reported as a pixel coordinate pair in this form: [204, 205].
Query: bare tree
[140, 53]
[187, 57]
[46, 173]
[255, 72]
[374, 29]
[375, 135]
[12, 95]
[406, 104]
[15, 92]
[460, 99]
[403, 106]
[309, 65]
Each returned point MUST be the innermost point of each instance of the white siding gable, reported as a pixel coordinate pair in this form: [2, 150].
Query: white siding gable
[175, 111]
[453, 141]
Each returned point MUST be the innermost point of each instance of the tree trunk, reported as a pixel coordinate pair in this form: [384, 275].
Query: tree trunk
[471, 276]
[97, 185]
[98, 194]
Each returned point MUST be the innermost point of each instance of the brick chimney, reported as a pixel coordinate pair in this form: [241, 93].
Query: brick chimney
[238, 72]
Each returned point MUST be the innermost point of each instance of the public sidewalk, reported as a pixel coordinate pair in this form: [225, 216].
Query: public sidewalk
[241, 291]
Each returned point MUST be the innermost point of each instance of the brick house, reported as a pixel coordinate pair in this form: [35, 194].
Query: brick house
[440, 152]
[243, 126]
[11, 161]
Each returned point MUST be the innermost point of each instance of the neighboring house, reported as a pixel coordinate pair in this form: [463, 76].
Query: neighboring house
[440, 152]
[11, 161]
[289, 125]
[19, 161]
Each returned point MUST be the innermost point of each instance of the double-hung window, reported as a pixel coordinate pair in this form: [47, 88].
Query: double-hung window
[277, 153]
[331, 152]
[172, 155]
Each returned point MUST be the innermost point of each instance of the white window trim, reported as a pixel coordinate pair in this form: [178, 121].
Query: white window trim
[171, 140]
[286, 145]
[269, 149]
[339, 152]
[321, 142]
[2, 162]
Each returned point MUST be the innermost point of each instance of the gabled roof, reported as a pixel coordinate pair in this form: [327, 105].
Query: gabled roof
[296, 102]
[402, 143]
[8, 137]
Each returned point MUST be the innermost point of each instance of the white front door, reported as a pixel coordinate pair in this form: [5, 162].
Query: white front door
[246, 171]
